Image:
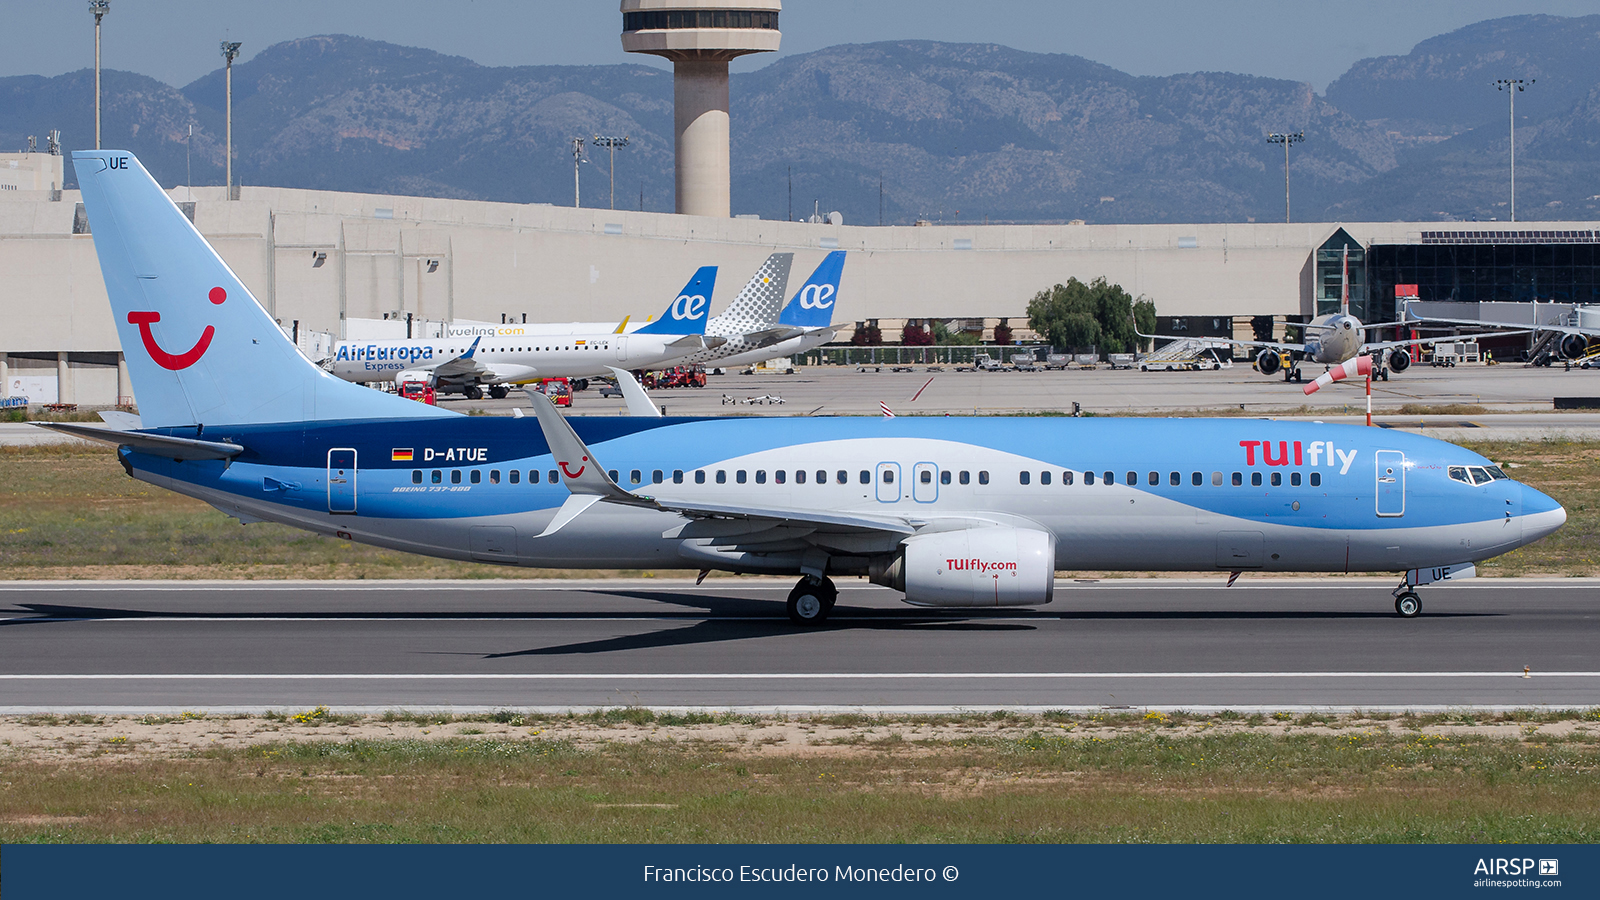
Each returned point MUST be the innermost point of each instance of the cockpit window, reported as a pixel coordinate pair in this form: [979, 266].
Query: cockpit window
[1479, 475]
[1459, 473]
[1496, 473]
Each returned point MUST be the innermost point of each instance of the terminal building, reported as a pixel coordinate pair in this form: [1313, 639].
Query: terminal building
[367, 266]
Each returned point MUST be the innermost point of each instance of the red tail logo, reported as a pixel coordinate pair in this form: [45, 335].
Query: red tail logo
[573, 474]
[174, 361]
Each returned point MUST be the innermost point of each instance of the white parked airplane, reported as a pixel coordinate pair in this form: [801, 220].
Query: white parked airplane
[805, 323]
[457, 364]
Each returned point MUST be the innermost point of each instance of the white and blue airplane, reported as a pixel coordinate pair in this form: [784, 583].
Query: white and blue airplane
[457, 364]
[954, 512]
[804, 323]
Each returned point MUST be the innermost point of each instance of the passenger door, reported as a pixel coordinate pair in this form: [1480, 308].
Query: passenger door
[1391, 483]
[925, 482]
[342, 481]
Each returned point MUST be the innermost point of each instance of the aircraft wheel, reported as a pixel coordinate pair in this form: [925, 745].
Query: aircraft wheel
[498, 392]
[474, 393]
[1408, 605]
[811, 601]
[580, 384]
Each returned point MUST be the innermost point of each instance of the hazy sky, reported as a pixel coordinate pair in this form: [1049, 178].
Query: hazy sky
[176, 40]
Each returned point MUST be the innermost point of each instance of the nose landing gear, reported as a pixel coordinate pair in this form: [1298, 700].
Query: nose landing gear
[1407, 603]
[812, 600]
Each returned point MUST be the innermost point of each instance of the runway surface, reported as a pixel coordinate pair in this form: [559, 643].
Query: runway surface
[1267, 644]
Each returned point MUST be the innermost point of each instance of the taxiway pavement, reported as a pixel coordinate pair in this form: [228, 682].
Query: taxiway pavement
[664, 643]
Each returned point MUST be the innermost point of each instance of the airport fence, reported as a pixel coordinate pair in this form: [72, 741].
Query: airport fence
[892, 355]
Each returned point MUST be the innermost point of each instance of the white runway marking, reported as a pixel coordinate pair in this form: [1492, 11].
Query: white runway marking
[761, 676]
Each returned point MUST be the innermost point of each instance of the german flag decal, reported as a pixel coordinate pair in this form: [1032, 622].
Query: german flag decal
[399, 455]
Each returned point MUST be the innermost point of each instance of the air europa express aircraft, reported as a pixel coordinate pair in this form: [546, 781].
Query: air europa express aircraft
[954, 512]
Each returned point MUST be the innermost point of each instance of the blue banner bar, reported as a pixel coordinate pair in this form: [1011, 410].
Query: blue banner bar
[313, 872]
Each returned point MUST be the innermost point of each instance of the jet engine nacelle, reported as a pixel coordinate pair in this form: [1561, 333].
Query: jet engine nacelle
[992, 566]
[1399, 360]
[1268, 362]
[1574, 346]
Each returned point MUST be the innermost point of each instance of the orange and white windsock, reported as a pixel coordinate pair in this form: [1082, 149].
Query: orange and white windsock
[1359, 367]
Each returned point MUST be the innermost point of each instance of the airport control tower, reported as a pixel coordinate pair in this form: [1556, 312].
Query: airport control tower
[700, 36]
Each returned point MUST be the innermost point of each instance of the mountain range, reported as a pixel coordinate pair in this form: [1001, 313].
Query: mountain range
[891, 131]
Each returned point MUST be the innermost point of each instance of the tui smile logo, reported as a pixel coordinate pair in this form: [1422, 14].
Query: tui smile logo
[573, 474]
[175, 361]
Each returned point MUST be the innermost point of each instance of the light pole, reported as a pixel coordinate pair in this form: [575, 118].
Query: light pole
[1512, 86]
[230, 49]
[1286, 139]
[612, 143]
[577, 159]
[98, 8]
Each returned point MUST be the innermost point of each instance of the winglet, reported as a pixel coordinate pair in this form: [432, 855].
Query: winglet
[473, 349]
[580, 471]
[622, 327]
[639, 403]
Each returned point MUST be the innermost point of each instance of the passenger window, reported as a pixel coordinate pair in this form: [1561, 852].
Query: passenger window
[888, 476]
[1108, 478]
[1088, 478]
[966, 477]
[677, 476]
[866, 477]
[1238, 479]
[944, 477]
[613, 474]
[416, 476]
[553, 477]
[1066, 477]
[699, 476]
[1316, 479]
[1255, 479]
[1277, 479]
[1044, 477]
[437, 476]
[927, 477]
[455, 476]
[1155, 478]
[739, 476]
[635, 476]
[656, 477]
[799, 476]
[842, 477]
[515, 475]
[822, 476]
[1133, 478]
[780, 476]
[1294, 479]
[494, 476]
[722, 476]
[1022, 477]
[983, 476]
[1196, 479]
[1175, 479]
[1216, 479]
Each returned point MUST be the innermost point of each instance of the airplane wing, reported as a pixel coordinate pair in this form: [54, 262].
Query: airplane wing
[1272, 345]
[584, 476]
[157, 444]
[1385, 345]
[766, 337]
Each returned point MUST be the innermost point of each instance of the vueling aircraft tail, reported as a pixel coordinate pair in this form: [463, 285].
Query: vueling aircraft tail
[812, 307]
[689, 311]
[200, 350]
[756, 307]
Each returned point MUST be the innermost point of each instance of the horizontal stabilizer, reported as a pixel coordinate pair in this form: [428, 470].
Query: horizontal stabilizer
[157, 444]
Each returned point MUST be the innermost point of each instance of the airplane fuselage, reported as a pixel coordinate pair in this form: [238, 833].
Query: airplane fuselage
[1339, 339]
[512, 359]
[1152, 495]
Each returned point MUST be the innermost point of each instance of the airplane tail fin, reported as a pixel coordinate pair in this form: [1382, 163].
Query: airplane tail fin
[200, 350]
[756, 307]
[812, 307]
[690, 310]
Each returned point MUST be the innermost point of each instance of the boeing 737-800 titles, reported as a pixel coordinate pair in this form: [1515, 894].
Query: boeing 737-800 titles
[954, 512]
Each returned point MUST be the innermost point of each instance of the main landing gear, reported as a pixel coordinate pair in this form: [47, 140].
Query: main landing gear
[811, 601]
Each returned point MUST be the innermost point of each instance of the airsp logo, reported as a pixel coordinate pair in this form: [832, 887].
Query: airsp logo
[816, 296]
[689, 306]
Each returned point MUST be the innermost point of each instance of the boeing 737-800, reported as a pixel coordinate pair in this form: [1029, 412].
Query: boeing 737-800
[953, 512]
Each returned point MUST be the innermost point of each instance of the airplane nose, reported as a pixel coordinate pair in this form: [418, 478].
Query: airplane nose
[1540, 515]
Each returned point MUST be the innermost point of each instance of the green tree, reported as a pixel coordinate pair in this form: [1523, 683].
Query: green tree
[1144, 313]
[1076, 316]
